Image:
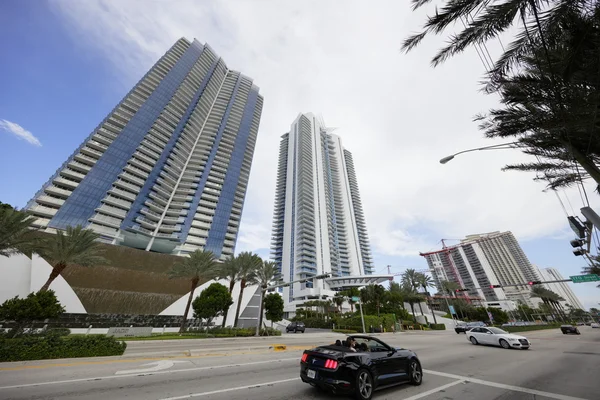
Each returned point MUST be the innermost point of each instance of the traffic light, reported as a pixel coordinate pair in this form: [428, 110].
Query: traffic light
[322, 276]
[578, 245]
[495, 286]
[531, 283]
[461, 290]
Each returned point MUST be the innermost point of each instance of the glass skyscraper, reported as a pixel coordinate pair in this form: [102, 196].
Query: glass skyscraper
[318, 225]
[167, 169]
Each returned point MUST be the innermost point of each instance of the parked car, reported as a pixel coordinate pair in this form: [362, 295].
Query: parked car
[463, 327]
[359, 366]
[569, 329]
[295, 327]
[497, 337]
[595, 325]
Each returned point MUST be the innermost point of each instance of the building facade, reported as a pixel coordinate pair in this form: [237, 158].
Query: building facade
[560, 288]
[482, 261]
[167, 169]
[319, 225]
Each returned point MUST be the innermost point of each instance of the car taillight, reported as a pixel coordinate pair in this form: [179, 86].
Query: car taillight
[331, 364]
[304, 357]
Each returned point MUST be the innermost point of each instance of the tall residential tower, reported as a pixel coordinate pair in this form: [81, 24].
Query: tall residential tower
[318, 225]
[481, 261]
[168, 167]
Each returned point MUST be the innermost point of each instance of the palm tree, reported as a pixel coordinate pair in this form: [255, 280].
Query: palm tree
[16, 235]
[263, 276]
[229, 270]
[410, 278]
[76, 246]
[338, 300]
[201, 265]
[248, 263]
[425, 281]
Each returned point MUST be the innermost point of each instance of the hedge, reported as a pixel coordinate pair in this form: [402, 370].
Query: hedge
[54, 346]
[437, 327]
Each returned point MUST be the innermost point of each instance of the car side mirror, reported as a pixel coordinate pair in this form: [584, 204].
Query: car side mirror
[392, 350]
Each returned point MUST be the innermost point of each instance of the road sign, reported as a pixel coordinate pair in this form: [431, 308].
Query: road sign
[585, 278]
[452, 312]
[355, 299]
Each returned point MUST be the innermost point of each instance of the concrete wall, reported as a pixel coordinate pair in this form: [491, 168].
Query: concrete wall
[22, 275]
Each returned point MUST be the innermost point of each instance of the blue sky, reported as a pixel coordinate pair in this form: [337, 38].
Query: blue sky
[67, 63]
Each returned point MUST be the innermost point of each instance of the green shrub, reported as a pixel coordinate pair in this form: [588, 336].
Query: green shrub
[345, 331]
[437, 327]
[50, 347]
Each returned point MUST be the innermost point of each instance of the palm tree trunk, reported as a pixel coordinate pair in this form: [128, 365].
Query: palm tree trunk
[231, 286]
[413, 312]
[261, 307]
[421, 308]
[187, 306]
[239, 304]
[56, 270]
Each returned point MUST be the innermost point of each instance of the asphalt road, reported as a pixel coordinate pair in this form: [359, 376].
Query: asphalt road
[562, 367]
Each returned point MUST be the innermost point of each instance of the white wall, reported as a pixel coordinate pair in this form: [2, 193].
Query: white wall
[21, 276]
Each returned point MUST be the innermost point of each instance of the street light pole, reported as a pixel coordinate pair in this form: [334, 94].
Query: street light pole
[510, 145]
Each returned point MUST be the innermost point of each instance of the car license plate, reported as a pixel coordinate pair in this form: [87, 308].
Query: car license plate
[311, 374]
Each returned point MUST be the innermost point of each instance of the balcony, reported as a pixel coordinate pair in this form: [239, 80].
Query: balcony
[132, 178]
[141, 165]
[102, 139]
[124, 185]
[115, 201]
[62, 193]
[169, 228]
[146, 223]
[85, 159]
[144, 158]
[96, 145]
[69, 173]
[42, 210]
[91, 152]
[136, 171]
[79, 166]
[154, 206]
[122, 193]
[66, 182]
[49, 200]
[106, 220]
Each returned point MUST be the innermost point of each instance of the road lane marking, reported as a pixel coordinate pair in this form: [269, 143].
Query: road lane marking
[174, 357]
[146, 374]
[158, 366]
[504, 386]
[434, 390]
[187, 396]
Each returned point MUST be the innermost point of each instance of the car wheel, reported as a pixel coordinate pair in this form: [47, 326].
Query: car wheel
[473, 340]
[416, 373]
[457, 332]
[364, 385]
[504, 344]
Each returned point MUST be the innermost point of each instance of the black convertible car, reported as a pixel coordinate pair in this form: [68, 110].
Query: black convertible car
[374, 365]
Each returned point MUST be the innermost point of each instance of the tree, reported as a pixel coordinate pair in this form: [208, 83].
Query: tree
[6, 206]
[425, 281]
[76, 246]
[553, 59]
[338, 300]
[410, 279]
[201, 265]
[229, 270]
[16, 235]
[273, 307]
[212, 302]
[263, 275]
[248, 263]
[35, 307]
[372, 297]
[350, 293]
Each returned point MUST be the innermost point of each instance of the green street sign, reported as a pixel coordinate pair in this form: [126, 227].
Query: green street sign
[355, 299]
[585, 278]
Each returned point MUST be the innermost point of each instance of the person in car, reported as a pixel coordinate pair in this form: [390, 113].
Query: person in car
[351, 343]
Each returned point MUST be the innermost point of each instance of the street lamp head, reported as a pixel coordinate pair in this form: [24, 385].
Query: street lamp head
[446, 159]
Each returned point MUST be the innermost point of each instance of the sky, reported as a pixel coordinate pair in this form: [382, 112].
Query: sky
[67, 63]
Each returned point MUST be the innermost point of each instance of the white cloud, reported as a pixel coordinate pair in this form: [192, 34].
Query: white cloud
[19, 132]
[395, 114]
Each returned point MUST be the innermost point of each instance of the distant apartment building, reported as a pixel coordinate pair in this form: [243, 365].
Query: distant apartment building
[482, 261]
[561, 288]
[318, 222]
[167, 169]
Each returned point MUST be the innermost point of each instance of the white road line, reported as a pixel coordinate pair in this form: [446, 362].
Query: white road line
[187, 396]
[434, 390]
[503, 386]
[149, 373]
